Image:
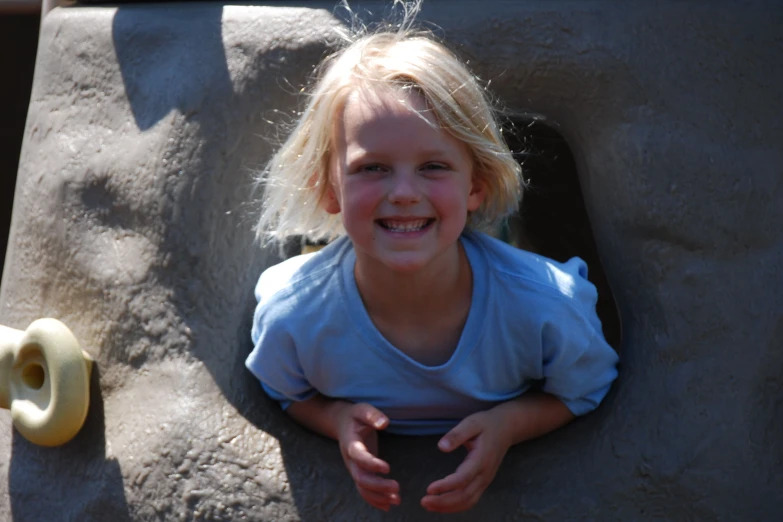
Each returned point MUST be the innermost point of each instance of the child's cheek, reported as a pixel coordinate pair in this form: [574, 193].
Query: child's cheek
[447, 197]
[362, 197]
[362, 189]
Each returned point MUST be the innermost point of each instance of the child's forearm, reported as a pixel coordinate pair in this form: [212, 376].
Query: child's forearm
[320, 414]
[532, 415]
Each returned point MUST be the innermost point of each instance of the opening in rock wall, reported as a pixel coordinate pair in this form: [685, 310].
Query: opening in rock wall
[552, 220]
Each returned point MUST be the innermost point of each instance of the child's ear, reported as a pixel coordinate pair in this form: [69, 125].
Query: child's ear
[478, 191]
[330, 202]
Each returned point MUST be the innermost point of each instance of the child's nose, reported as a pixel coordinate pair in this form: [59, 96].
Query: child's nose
[404, 190]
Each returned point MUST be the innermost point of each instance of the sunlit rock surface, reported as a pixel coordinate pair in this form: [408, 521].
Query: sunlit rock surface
[132, 218]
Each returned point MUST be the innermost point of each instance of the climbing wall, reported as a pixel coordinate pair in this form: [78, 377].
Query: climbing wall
[132, 224]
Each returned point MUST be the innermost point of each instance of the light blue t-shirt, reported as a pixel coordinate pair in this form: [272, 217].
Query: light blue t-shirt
[532, 322]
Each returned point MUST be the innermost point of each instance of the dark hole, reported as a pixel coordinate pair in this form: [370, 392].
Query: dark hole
[552, 220]
[19, 41]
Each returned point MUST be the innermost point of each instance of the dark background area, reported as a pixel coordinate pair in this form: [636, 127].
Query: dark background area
[18, 46]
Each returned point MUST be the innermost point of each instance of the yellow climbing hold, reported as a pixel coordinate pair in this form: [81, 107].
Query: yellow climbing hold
[44, 381]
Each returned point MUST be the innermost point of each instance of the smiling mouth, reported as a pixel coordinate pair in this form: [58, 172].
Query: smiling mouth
[410, 225]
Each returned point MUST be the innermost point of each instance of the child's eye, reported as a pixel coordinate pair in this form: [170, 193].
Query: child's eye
[434, 169]
[372, 167]
[435, 166]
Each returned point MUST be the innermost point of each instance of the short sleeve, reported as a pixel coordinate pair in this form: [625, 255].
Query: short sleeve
[274, 360]
[579, 366]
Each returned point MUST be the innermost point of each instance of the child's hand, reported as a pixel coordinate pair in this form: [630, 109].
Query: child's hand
[487, 443]
[358, 439]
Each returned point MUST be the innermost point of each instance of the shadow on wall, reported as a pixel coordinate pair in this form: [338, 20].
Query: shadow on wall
[93, 486]
[19, 41]
[166, 72]
[157, 80]
[165, 69]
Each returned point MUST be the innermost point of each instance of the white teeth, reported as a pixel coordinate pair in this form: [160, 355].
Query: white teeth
[404, 226]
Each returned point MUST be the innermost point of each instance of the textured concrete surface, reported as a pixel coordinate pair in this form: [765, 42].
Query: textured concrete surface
[131, 225]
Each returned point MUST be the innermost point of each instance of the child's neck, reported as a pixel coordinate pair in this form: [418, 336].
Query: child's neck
[422, 314]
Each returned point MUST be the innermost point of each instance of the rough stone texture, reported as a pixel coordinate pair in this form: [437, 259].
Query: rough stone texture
[131, 224]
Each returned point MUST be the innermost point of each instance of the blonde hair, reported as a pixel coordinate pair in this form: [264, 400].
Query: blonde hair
[296, 178]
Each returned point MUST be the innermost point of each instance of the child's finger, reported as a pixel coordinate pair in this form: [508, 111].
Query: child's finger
[370, 415]
[454, 482]
[362, 457]
[380, 496]
[454, 501]
[380, 500]
[466, 430]
[375, 483]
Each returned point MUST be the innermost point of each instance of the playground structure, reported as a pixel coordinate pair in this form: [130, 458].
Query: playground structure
[132, 224]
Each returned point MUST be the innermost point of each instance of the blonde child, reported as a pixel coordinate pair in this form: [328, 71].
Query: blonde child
[413, 321]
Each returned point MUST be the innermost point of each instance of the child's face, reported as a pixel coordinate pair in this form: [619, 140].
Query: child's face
[404, 188]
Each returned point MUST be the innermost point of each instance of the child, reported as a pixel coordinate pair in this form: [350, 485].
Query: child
[412, 320]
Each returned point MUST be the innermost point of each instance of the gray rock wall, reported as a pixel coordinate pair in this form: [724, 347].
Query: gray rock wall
[131, 224]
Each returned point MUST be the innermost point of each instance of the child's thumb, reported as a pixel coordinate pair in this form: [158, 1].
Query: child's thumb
[370, 415]
[459, 435]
